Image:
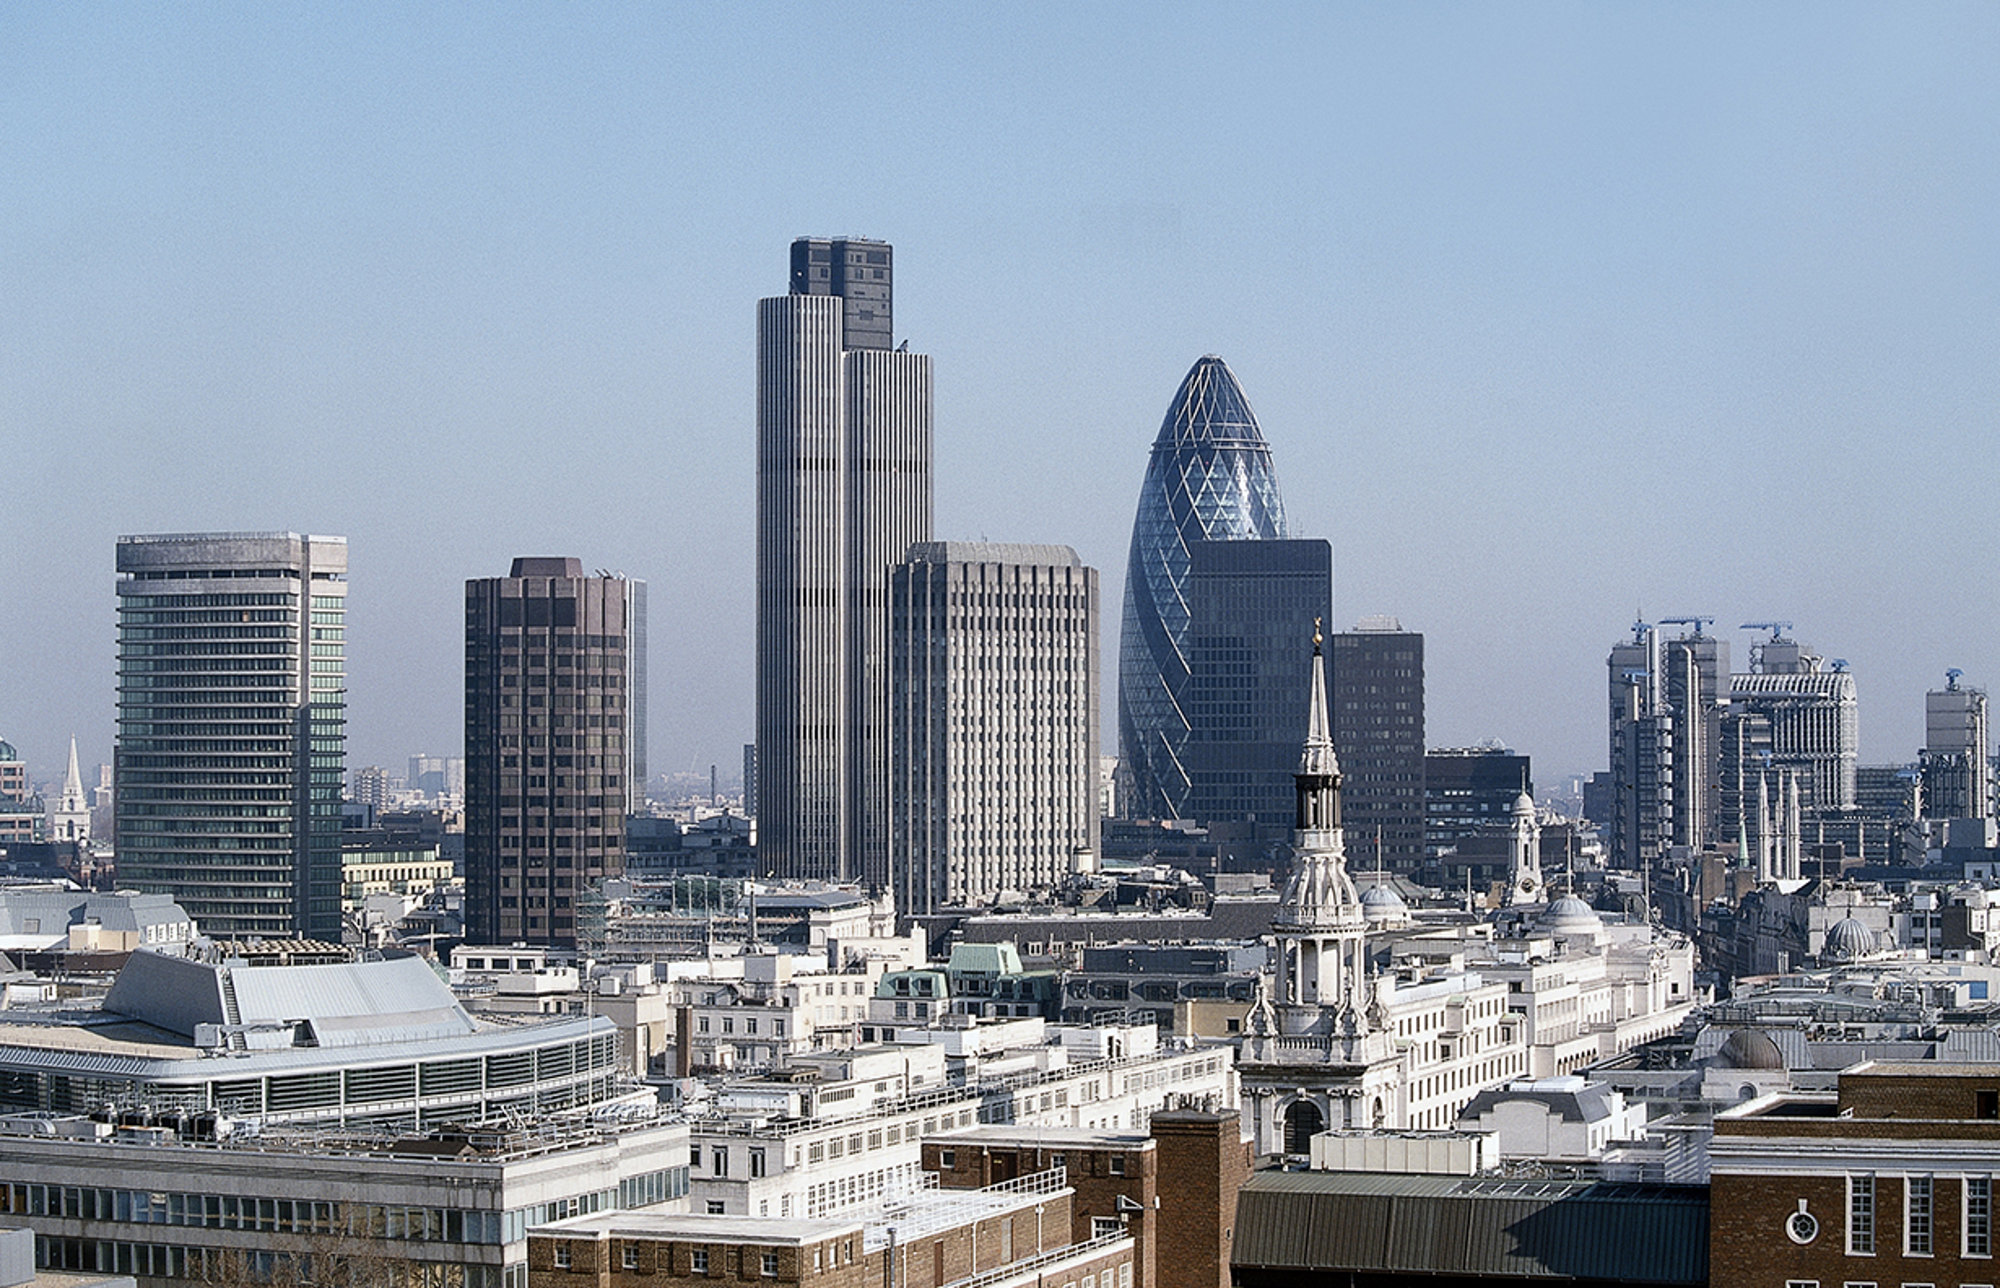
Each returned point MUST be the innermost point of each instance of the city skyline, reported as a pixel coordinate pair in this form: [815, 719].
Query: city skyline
[1547, 316]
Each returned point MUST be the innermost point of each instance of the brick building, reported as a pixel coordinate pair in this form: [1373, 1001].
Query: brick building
[1114, 1176]
[1887, 1180]
[1009, 1235]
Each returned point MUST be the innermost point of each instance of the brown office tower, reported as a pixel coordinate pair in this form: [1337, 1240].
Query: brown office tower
[553, 661]
[1202, 1162]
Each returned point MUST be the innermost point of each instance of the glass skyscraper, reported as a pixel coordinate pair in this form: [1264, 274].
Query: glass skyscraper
[232, 728]
[1209, 479]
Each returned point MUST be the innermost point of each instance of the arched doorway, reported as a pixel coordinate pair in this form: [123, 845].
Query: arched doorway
[1303, 1121]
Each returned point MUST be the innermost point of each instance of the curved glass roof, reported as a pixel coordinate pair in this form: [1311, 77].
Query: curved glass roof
[1209, 479]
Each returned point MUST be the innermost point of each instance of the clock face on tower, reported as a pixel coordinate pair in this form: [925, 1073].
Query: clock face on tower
[1527, 885]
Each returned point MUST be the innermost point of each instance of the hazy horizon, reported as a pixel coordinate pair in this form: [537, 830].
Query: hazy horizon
[1551, 315]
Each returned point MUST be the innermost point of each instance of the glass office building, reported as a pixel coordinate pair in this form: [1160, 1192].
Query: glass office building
[232, 728]
[1209, 479]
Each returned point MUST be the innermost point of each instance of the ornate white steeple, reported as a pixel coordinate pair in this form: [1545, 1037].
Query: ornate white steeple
[1321, 927]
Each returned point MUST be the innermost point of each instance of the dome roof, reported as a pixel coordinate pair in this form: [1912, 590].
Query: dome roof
[1848, 939]
[1570, 915]
[7, 750]
[1382, 903]
[1749, 1049]
[1524, 804]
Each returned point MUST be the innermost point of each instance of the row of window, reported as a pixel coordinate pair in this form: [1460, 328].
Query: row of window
[1919, 1216]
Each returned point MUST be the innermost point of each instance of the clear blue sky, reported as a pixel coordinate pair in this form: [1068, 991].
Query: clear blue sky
[1550, 313]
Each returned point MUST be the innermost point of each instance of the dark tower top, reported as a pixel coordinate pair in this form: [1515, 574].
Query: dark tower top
[861, 273]
[1318, 778]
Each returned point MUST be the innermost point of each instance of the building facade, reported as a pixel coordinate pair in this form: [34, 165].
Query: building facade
[1376, 672]
[1887, 1180]
[549, 705]
[1249, 605]
[1209, 479]
[993, 720]
[843, 491]
[1958, 752]
[232, 727]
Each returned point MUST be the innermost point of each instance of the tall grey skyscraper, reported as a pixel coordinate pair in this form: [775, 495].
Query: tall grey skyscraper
[232, 727]
[993, 719]
[1958, 747]
[1810, 708]
[1209, 479]
[1251, 605]
[1667, 701]
[1377, 676]
[843, 491]
[550, 705]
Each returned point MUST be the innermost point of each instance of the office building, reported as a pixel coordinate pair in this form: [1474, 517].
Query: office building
[1251, 606]
[232, 692]
[549, 706]
[1887, 1179]
[229, 1123]
[1469, 791]
[1642, 730]
[1809, 706]
[843, 491]
[1209, 479]
[1957, 761]
[993, 720]
[1376, 672]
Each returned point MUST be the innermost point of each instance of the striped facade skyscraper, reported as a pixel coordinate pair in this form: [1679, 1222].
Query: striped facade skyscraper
[993, 718]
[232, 728]
[1209, 479]
[843, 491]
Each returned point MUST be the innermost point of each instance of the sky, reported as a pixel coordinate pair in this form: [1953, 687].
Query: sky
[1553, 316]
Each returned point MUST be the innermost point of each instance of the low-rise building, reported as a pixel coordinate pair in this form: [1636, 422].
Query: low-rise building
[1887, 1179]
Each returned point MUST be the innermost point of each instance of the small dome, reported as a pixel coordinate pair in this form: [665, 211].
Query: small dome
[1524, 804]
[1382, 903]
[1570, 915]
[1749, 1049]
[1848, 939]
[7, 750]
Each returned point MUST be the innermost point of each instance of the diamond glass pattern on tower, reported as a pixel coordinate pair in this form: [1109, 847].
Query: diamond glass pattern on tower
[1209, 479]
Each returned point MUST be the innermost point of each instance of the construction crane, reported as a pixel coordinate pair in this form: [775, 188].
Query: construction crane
[1777, 629]
[1696, 622]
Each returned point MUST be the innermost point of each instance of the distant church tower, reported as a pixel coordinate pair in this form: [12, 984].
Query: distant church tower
[70, 819]
[1524, 848]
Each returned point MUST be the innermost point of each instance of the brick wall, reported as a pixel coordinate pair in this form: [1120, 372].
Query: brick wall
[1098, 1180]
[927, 1262]
[1748, 1244]
[1203, 1162]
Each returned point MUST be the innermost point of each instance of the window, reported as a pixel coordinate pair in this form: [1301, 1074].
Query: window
[561, 1256]
[629, 1258]
[721, 1161]
[1104, 1227]
[1917, 1216]
[699, 1256]
[770, 1265]
[1117, 1164]
[947, 1158]
[1861, 1216]
[756, 1162]
[1978, 1216]
[715, 1208]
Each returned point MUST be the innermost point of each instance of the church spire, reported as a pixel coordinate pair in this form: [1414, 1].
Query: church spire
[72, 792]
[1318, 779]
